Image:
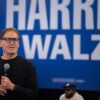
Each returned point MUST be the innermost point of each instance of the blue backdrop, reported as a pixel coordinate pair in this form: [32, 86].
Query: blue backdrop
[61, 38]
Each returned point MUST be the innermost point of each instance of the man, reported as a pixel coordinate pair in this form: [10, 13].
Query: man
[18, 78]
[70, 93]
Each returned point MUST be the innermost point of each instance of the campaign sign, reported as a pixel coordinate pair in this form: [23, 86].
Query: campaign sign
[61, 38]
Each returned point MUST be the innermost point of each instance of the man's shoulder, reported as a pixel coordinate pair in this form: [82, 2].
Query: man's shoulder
[62, 96]
[78, 95]
[24, 60]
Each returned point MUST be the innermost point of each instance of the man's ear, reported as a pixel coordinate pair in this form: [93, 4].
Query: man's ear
[0, 43]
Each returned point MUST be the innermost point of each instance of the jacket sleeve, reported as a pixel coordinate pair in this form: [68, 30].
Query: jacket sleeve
[30, 91]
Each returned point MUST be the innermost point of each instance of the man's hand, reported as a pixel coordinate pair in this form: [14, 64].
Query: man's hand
[7, 84]
[2, 91]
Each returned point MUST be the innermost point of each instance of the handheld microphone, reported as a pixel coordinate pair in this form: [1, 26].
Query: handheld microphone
[6, 68]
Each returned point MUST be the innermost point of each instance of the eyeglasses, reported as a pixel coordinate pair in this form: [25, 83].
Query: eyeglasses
[8, 40]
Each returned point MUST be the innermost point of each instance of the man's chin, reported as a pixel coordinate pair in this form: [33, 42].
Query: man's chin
[12, 53]
[69, 96]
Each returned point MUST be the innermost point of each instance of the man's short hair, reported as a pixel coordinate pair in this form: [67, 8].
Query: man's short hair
[9, 29]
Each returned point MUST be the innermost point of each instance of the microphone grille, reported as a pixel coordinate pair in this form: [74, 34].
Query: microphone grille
[6, 66]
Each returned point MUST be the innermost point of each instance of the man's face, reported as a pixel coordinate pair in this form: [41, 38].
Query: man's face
[10, 43]
[69, 93]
